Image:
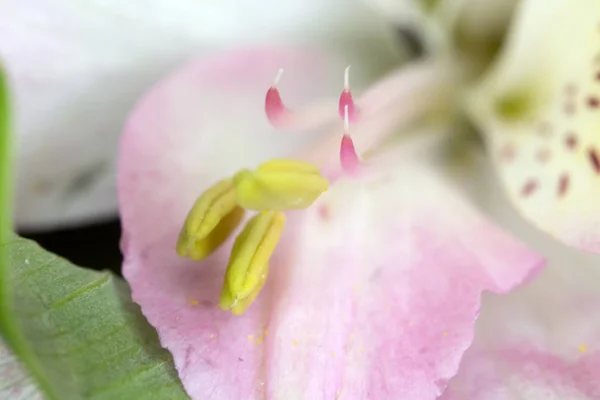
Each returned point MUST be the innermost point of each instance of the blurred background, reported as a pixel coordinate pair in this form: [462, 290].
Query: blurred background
[78, 68]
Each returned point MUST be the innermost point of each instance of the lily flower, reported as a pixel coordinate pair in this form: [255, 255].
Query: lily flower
[334, 251]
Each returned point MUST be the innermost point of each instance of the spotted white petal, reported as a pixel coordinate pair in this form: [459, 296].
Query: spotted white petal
[540, 110]
[541, 342]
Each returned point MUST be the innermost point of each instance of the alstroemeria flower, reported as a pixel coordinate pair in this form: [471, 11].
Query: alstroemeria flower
[372, 290]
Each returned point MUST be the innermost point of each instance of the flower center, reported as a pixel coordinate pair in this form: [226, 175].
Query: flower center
[272, 188]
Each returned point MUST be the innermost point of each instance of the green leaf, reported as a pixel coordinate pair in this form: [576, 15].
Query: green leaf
[5, 162]
[88, 339]
[76, 331]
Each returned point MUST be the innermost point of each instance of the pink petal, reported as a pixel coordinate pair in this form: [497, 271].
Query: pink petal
[373, 291]
[405, 96]
[206, 122]
[542, 341]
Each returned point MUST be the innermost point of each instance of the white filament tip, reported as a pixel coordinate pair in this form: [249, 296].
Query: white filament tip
[347, 78]
[278, 77]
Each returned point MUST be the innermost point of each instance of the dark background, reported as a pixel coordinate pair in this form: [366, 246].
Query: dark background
[93, 246]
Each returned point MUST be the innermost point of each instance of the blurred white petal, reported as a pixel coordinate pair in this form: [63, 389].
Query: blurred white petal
[78, 68]
[539, 108]
[540, 342]
[15, 382]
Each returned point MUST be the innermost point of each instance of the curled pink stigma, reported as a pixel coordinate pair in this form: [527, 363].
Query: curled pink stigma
[346, 101]
[348, 157]
[274, 107]
[311, 116]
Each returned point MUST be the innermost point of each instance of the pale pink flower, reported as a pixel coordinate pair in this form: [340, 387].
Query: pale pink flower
[373, 290]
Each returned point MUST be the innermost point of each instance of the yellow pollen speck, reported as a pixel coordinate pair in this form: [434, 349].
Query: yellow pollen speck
[355, 287]
[362, 348]
[192, 301]
[250, 337]
[445, 333]
[332, 354]
[259, 340]
[582, 348]
[266, 332]
[295, 343]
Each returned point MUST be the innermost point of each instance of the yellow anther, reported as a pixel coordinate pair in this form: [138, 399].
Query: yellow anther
[210, 221]
[249, 262]
[239, 305]
[279, 185]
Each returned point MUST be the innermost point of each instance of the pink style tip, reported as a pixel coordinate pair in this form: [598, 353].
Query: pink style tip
[346, 100]
[348, 158]
[274, 107]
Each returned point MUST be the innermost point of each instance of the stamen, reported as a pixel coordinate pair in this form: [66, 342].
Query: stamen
[346, 100]
[314, 115]
[348, 157]
[279, 185]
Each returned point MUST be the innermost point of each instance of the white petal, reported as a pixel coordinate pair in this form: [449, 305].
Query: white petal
[542, 341]
[540, 109]
[78, 68]
[15, 382]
